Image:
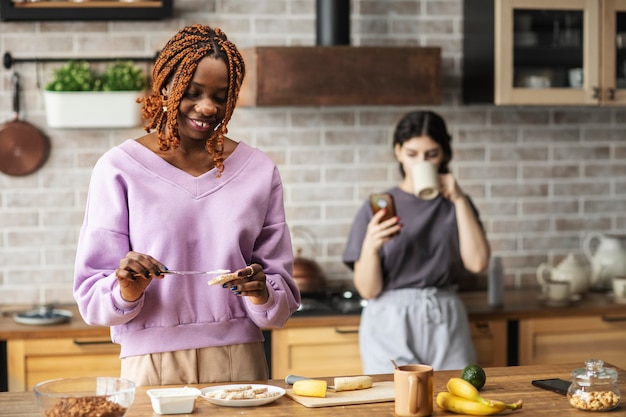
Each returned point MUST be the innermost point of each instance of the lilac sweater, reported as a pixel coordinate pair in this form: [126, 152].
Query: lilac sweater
[137, 201]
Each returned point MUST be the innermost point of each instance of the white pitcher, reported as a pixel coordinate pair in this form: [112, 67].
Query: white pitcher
[569, 270]
[607, 260]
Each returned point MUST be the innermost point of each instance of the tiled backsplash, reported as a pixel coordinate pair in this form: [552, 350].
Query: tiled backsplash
[542, 177]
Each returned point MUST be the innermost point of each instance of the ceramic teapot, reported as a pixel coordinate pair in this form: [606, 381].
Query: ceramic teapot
[569, 270]
[608, 259]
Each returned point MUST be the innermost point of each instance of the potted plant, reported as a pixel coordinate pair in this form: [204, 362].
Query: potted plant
[78, 97]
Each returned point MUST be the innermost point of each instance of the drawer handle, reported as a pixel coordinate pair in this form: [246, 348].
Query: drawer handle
[92, 342]
[347, 331]
[613, 319]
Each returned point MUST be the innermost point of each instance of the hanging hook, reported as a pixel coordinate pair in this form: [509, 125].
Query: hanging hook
[7, 60]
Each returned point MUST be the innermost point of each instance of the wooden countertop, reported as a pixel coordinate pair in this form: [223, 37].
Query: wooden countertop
[518, 304]
[527, 304]
[76, 327]
[508, 384]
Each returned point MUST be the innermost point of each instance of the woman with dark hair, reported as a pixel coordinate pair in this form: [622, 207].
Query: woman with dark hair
[187, 197]
[408, 266]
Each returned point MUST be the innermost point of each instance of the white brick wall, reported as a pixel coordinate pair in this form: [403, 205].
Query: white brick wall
[542, 177]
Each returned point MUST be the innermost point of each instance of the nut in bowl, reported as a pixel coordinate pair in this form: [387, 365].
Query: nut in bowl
[594, 387]
[85, 397]
[173, 400]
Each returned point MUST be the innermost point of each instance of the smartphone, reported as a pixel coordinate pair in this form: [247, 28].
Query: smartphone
[557, 385]
[383, 201]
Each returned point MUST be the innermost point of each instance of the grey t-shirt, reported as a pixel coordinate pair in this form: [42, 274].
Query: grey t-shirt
[426, 251]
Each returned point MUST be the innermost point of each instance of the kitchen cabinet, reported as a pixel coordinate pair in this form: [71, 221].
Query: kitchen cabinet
[30, 361]
[316, 351]
[573, 339]
[33, 10]
[563, 52]
[490, 341]
[334, 350]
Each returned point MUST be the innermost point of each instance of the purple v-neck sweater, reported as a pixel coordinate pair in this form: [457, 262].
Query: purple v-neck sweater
[137, 201]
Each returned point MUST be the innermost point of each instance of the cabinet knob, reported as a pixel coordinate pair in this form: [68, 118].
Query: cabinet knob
[596, 93]
[611, 94]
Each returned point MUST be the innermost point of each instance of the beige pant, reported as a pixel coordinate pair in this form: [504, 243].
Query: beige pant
[244, 362]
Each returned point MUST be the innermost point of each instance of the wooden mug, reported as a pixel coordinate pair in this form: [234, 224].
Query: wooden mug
[414, 386]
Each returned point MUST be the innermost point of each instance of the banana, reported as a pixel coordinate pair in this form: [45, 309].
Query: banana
[463, 389]
[459, 405]
[512, 406]
[349, 383]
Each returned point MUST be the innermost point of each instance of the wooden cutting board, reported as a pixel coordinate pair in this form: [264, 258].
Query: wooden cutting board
[380, 392]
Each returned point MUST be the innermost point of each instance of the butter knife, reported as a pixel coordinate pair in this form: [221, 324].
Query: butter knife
[213, 272]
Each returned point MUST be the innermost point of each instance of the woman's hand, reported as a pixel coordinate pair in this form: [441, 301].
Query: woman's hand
[368, 278]
[450, 188]
[473, 244]
[253, 284]
[379, 232]
[135, 273]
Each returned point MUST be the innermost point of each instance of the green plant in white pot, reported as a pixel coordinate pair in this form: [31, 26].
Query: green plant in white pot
[77, 97]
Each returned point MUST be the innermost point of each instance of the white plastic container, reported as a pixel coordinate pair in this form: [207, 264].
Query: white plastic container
[173, 400]
[92, 109]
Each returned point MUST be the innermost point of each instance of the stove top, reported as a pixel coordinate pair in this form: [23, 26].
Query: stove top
[345, 302]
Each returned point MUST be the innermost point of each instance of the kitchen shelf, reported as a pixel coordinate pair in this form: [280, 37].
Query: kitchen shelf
[341, 76]
[10, 10]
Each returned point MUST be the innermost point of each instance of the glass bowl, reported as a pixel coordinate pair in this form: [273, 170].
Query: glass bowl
[84, 397]
[594, 387]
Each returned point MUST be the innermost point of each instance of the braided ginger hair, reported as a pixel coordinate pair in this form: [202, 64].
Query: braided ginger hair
[176, 64]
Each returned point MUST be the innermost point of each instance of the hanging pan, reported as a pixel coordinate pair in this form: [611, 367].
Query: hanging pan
[23, 147]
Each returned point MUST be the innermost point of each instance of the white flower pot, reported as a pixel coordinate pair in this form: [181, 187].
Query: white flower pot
[97, 109]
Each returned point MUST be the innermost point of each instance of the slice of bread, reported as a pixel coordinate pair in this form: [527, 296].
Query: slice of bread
[223, 279]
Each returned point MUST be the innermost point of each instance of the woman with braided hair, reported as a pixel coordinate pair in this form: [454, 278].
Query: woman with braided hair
[187, 197]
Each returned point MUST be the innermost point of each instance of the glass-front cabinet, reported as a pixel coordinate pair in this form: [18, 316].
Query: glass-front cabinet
[560, 52]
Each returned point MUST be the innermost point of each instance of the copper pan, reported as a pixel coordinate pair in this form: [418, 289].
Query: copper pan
[23, 147]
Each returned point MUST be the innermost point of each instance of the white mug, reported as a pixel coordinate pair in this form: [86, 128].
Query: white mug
[576, 77]
[557, 293]
[425, 180]
[619, 289]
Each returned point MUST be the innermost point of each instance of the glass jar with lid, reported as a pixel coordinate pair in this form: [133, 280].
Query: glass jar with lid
[594, 387]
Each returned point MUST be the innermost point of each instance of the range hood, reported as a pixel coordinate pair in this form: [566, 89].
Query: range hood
[341, 75]
[333, 73]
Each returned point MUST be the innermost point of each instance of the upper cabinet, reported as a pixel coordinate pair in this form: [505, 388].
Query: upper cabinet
[562, 52]
[16, 10]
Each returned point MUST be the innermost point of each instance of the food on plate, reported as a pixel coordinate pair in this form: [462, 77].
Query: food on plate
[475, 375]
[244, 392]
[349, 383]
[223, 279]
[463, 398]
[310, 388]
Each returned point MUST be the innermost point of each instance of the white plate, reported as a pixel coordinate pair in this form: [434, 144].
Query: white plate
[36, 317]
[242, 403]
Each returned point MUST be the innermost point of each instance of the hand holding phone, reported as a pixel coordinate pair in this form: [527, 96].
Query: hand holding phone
[383, 201]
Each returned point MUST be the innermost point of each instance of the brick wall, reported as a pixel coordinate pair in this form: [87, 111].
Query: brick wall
[542, 177]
